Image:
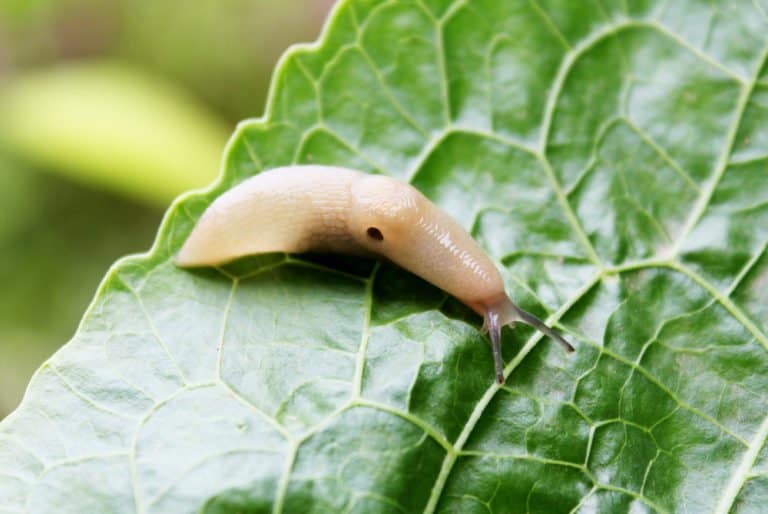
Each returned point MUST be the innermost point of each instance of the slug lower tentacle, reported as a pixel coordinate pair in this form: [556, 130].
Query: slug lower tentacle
[324, 208]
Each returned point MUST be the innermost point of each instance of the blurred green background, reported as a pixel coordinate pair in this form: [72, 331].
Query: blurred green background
[108, 110]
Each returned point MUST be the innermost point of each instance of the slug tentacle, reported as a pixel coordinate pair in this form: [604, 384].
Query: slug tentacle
[529, 319]
[503, 312]
[491, 321]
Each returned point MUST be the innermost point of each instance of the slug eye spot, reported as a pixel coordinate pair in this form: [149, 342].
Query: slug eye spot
[375, 234]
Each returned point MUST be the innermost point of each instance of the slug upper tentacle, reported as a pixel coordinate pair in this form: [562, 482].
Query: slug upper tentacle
[324, 208]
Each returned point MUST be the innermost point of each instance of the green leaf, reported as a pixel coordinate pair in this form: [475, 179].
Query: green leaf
[111, 126]
[610, 156]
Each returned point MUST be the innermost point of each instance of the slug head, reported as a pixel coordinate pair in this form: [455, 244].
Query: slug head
[383, 214]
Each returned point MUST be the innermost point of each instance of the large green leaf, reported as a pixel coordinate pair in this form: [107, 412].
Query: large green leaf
[612, 157]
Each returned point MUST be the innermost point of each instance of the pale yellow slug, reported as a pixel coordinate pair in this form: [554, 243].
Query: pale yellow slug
[329, 209]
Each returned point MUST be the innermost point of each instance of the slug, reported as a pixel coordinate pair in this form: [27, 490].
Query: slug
[296, 209]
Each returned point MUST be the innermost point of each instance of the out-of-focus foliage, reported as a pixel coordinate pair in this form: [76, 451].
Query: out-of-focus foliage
[223, 54]
[113, 127]
[179, 71]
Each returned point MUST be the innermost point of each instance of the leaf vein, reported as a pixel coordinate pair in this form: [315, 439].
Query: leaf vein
[738, 479]
[708, 192]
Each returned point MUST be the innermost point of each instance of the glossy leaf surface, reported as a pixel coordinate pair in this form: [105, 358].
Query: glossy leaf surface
[611, 156]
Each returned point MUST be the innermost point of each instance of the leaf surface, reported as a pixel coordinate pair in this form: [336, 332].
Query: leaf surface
[610, 156]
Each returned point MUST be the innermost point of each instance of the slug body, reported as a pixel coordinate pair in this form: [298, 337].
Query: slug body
[328, 209]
